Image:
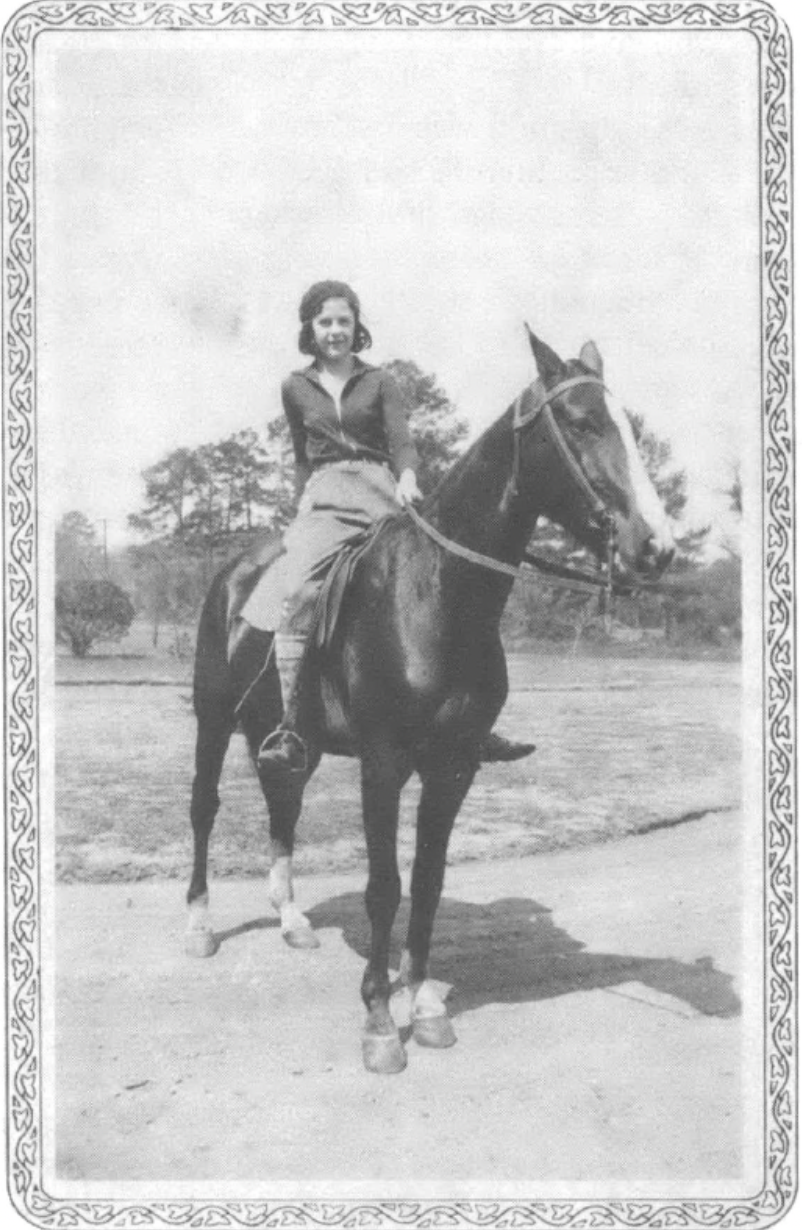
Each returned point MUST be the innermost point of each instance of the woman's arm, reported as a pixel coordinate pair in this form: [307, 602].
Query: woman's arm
[298, 436]
[396, 427]
[399, 442]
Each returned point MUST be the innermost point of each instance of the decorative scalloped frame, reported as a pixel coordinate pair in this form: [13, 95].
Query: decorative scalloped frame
[23, 862]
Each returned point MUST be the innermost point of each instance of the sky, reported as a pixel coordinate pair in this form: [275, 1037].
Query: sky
[191, 186]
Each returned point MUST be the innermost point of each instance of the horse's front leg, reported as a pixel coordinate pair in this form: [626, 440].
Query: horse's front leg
[384, 771]
[445, 784]
[284, 802]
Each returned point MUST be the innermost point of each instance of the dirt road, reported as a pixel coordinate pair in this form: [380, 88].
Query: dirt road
[598, 997]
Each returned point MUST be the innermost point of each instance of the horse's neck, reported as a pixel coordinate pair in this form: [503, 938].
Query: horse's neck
[475, 505]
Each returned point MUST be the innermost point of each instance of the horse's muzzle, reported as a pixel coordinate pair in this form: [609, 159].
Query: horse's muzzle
[654, 559]
[649, 565]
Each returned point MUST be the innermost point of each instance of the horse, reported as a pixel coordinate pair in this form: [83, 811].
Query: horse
[415, 675]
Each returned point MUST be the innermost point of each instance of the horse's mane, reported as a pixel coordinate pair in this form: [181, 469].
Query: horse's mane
[490, 440]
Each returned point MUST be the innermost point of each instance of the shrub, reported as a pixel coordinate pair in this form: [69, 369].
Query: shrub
[90, 610]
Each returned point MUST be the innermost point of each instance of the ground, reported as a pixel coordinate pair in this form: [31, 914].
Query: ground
[598, 997]
[622, 746]
[592, 937]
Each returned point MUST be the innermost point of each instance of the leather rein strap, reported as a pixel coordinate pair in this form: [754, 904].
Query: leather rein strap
[575, 577]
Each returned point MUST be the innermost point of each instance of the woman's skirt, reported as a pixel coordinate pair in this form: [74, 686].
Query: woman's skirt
[339, 502]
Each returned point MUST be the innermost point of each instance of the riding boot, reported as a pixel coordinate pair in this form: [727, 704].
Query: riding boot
[495, 747]
[284, 751]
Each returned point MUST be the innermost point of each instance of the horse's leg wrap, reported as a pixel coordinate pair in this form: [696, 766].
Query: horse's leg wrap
[429, 1016]
[199, 940]
[295, 926]
[430, 1022]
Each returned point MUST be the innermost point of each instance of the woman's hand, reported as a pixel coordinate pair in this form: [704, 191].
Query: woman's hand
[406, 489]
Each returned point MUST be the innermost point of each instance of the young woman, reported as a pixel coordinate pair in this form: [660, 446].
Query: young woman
[355, 461]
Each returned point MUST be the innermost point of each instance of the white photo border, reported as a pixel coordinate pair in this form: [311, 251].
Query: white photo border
[21, 623]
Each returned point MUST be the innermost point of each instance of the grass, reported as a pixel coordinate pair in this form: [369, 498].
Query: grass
[624, 746]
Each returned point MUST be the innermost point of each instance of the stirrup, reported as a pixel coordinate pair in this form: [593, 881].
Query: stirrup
[283, 751]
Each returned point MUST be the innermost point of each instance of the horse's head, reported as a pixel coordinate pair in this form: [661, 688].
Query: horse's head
[596, 477]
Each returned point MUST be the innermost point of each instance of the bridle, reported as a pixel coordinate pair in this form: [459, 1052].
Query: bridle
[542, 409]
[576, 577]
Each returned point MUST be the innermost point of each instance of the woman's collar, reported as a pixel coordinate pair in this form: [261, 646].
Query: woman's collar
[312, 373]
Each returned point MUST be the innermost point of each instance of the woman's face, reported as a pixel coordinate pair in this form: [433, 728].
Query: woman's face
[333, 329]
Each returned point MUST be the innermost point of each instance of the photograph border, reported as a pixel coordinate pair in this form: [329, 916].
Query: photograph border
[23, 701]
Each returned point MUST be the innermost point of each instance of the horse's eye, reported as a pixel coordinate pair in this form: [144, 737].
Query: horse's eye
[584, 425]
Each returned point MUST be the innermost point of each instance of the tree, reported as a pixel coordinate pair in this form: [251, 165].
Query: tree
[90, 610]
[672, 487]
[205, 495]
[77, 551]
[438, 430]
[172, 487]
[239, 469]
[168, 584]
[201, 505]
[712, 612]
[282, 498]
[735, 493]
[731, 538]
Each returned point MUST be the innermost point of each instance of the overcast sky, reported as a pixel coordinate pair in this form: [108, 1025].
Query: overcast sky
[190, 187]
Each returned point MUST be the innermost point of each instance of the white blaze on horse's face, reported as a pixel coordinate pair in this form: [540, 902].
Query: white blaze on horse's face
[646, 502]
[612, 467]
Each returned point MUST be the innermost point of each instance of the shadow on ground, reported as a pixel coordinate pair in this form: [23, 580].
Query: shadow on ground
[510, 951]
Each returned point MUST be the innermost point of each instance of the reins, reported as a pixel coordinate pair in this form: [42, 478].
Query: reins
[574, 578]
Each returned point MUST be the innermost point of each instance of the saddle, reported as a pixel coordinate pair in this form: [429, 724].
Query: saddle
[334, 574]
[339, 574]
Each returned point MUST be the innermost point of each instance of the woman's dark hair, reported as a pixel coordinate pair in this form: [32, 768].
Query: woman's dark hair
[311, 304]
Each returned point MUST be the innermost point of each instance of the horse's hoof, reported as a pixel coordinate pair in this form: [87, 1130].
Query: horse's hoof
[434, 1031]
[301, 937]
[200, 943]
[383, 1053]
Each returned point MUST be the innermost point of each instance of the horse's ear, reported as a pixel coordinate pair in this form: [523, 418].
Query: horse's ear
[550, 366]
[589, 355]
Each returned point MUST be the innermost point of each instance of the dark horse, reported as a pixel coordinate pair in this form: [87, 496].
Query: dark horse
[416, 675]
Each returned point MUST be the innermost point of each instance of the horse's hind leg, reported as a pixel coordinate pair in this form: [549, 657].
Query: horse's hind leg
[284, 798]
[215, 726]
[444, 788]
